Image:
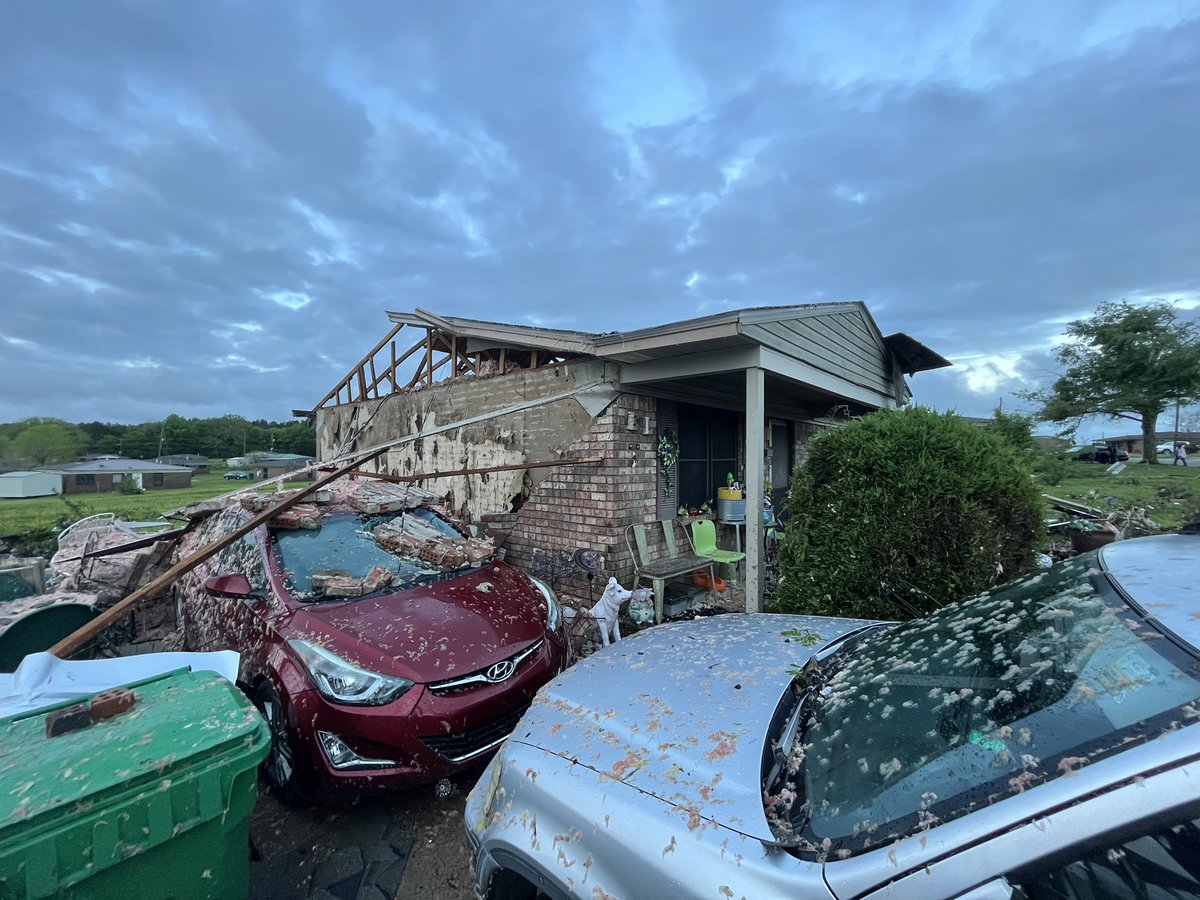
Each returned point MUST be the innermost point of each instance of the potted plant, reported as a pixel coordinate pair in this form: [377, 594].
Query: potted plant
[1091, 534]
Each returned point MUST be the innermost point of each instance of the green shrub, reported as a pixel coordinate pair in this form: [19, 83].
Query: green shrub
[905, 498]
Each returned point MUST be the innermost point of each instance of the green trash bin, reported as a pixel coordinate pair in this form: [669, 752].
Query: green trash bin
[151, 803]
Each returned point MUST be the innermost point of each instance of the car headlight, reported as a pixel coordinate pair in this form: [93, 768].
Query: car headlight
[553, 613]
[342, 682]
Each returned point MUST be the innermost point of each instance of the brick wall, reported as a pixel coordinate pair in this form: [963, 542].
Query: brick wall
[539, 433]
[105, 483]
[591, 505]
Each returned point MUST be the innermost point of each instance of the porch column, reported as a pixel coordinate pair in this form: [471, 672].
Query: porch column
[755, 451]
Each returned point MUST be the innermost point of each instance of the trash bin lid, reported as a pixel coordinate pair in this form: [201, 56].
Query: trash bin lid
[181, 720]
[40, 629]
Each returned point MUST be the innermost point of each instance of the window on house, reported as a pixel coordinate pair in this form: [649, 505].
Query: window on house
[82, 480]
[156, 479]
[707, 452]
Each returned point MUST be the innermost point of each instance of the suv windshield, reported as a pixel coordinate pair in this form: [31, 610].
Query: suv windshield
[336, 561]
[980, 700]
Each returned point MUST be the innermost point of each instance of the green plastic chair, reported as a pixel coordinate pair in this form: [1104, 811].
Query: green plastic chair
[704, 542]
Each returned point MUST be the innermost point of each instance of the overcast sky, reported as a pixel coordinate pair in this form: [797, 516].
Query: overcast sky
[208, 207]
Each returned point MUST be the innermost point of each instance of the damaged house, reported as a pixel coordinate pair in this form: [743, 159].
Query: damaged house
[671, 411]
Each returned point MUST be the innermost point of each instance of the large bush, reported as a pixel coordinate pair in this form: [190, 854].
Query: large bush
[905, 499]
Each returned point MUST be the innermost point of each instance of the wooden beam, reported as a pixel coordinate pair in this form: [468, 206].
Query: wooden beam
[336, 392]
[78, 638]
[429, 476]
[416, 375]
[429, 354]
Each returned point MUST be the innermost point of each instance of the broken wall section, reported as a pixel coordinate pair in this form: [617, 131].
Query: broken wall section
[540, 433]
[590, 506]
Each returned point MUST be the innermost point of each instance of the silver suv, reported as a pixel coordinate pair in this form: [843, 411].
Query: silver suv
[1036, 741]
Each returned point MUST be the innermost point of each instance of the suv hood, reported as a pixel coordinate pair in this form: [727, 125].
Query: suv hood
[433, 631]
[681, 711]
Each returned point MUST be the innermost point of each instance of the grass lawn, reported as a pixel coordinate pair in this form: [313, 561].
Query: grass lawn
[19, 517]
[1165, 492]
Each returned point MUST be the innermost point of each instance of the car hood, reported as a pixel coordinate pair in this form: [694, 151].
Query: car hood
[433, 631]
[681, 711]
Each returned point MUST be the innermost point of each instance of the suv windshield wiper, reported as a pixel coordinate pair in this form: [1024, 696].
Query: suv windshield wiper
[807, 682]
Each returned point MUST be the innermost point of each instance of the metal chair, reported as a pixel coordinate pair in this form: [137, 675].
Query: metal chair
[704, 543]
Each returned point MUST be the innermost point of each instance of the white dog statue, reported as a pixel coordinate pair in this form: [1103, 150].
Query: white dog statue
[608, 609]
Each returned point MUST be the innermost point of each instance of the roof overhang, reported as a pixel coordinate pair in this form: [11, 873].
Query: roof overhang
[912, 355]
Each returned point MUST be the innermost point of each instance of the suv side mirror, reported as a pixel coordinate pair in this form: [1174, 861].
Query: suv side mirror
[237, 586]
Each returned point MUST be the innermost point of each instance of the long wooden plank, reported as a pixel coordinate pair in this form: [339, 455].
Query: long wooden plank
[74, 641]
[78, 638]
[429, 476]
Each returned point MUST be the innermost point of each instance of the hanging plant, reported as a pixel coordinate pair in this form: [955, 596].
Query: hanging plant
[668, 455]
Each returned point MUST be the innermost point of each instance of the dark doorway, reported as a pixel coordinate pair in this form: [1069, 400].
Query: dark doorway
[708, 441]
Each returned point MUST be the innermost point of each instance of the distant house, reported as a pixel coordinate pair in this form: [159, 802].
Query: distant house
[100, 475]
[194, 461]
[30, 484]
[1133, 442]
[281, 464]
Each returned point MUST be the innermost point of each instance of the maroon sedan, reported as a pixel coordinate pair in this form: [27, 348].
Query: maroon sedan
[379, 654]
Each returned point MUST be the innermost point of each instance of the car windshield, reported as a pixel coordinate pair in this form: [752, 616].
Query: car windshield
[940, 715]
[342, 558]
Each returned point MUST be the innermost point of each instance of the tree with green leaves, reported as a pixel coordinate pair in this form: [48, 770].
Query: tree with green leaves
[1014, 429]
[44, 442]
[1128, 361]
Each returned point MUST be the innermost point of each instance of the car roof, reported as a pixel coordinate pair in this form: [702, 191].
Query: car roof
[1159, 574]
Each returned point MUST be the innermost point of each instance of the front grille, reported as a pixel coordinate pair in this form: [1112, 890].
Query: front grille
[483, 676]
[457, 747]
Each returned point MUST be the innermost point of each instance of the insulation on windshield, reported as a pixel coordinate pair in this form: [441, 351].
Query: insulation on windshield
[977, 702]
[350, 555]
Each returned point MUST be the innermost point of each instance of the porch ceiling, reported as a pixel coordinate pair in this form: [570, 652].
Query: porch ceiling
[785, 398]
[718, 378]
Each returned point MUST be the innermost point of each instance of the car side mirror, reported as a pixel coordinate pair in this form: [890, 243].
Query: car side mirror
[236, 586]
